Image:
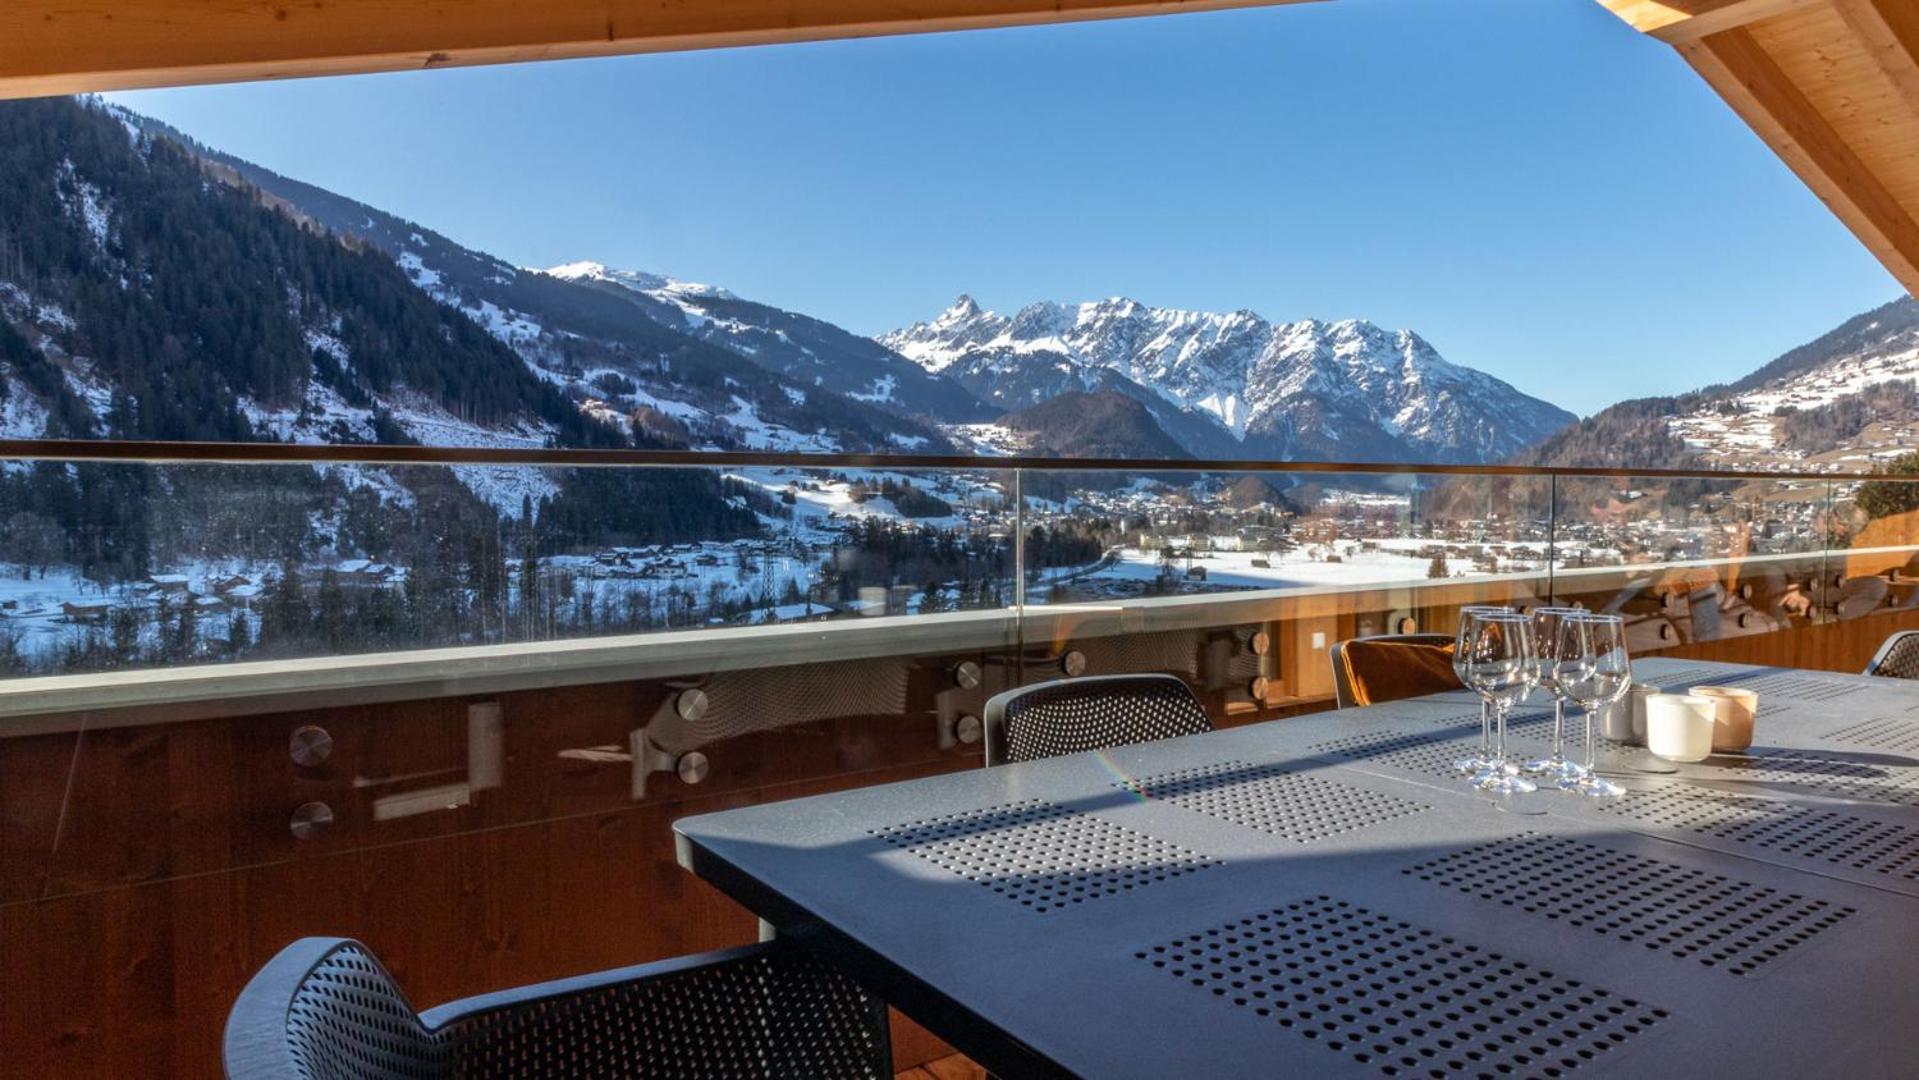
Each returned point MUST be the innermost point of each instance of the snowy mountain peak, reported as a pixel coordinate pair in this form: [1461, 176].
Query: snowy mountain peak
[1342, 389]
[637, 280]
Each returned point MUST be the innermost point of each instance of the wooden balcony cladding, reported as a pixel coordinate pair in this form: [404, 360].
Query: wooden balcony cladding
[75, 46]
[1831, 85]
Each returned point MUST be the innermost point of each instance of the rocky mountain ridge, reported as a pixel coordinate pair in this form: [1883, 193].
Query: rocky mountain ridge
[1235, 384]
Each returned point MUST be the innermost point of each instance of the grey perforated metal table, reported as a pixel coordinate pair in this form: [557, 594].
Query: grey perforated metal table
[1317, 896]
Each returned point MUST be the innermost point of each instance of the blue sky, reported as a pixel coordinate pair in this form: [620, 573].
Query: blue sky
[1530, 185]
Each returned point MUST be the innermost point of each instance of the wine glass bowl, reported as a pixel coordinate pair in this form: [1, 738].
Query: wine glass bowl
[1600, 676]
[1480, 763]
[1496, 654]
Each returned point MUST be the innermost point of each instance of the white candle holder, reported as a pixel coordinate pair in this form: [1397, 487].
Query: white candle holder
[1679, 727]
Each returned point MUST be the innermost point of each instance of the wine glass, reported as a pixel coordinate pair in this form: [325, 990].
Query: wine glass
[1553, 770]
[1501, 667]
[1600, 678]
[1474, 765]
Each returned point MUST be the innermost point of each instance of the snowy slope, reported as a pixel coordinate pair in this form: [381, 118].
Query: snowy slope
[1344, 389]
[1744, 425]
[1839, 402]
[628, 342]
[811, 353]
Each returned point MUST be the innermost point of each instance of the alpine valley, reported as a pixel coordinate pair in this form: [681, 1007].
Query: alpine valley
[152, 288]
[119, 229]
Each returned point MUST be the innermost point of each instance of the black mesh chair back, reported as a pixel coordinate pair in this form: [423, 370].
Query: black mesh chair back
[325, 1009]
[1898, 658]
[1070, 715]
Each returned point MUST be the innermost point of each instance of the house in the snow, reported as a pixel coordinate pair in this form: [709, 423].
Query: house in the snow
[241, 597]
[85, 611]
[364, 572]
[167, 583]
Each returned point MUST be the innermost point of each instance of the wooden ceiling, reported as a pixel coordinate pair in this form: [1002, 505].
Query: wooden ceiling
[75, 46]
[1832, 85]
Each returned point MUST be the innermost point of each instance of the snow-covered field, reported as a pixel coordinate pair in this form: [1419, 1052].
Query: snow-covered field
[1353, 563]
[1235, 569]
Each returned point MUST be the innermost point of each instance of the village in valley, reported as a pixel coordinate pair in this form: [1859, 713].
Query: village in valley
[833, 545]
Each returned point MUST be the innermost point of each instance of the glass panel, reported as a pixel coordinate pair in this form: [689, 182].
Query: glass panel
[108, 567]
[1241, 582]
[1691, 560]
[1875, 567]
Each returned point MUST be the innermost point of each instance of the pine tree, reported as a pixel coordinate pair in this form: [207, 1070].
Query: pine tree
[239, 636]
[285, 618]
[330, 612]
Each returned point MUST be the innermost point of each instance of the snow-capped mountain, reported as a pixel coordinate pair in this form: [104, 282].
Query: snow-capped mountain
[1236, 384]
[1839, 402]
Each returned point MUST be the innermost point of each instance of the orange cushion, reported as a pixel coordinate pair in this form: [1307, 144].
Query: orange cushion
[1382, 671]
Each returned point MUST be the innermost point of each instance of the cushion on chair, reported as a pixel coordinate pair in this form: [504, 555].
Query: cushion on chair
[1382, 671]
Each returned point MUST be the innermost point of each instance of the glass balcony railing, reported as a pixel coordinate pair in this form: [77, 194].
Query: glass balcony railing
[284, 554]
[450, 701]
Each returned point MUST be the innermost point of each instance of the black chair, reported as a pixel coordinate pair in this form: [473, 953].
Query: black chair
[1067, 716]
[1898, 658]
[1357, 683]
[324, 1008]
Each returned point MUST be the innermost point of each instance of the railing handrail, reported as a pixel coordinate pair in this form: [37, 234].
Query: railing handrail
[257, 453]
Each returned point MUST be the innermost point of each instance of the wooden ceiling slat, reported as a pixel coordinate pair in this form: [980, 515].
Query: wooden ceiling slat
[1889, 32]
[73, 46]
[1833, 67]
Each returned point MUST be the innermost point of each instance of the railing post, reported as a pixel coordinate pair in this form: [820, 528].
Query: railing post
[1019, 542]
[1823, 591]
[1019, 574]
[1552, 538]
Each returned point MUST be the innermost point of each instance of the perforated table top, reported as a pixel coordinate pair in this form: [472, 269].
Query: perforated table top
[1317, 896]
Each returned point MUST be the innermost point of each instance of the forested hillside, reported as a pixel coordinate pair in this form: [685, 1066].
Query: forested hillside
[185, 301]
[142, 297]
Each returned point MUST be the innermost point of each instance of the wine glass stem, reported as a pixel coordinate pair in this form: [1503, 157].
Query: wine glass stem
[1499, 720]
[1559, 728]
[1591, 714]
[1485, 727]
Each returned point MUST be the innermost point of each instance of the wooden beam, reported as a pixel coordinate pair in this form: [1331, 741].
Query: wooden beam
[1889, 31]
[1743, 73]
[73, 46]
[1679, 21]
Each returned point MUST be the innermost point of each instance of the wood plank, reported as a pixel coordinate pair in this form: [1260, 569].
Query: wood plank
[1750, 80]
[74, 46]
[1832, 65]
